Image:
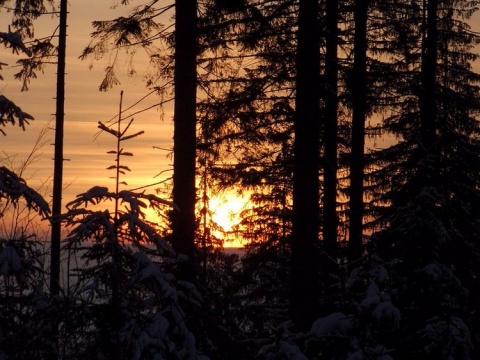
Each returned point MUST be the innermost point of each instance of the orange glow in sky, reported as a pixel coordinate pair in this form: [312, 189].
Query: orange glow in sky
[84, 151]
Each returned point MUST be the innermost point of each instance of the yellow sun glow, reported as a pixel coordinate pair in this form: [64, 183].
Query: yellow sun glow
[226, 211]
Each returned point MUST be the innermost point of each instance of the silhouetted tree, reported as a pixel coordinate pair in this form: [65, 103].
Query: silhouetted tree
[185, 136]
[424, 177]
[39, 54]
[124, 303]
[246, 118]
[330, 140]
[58, 153]
[25, 322]
[136, 31]
[306, 185]
[25, 318]
[359, 112]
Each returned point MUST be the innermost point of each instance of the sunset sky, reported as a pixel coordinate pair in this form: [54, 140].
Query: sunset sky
[85, 106]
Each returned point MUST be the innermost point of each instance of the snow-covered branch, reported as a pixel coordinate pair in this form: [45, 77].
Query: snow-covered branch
[14, 40]
[9, 112]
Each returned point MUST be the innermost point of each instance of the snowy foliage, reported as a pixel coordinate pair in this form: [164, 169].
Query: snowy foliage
[25, 310]
[281, 350]
[25, 328]
[11, 113]
[364, 327]
[447, 288]
[447, 337]
[127, 302]
[11, 264]
[153, 323]
[14, 40]
[336, 323]
[127, 273]
[378, 306]
[130, 225]
[13, 188]
[23, 323]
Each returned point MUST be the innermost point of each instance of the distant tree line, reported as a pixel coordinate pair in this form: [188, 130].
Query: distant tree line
[353, 125]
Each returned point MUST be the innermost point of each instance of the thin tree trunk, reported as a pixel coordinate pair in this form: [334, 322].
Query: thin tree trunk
[184, 137]
[58, 161]
[359, 109]
[428, 106]
[330, 221]
[426, 177]
[330, 139]
[305, 222]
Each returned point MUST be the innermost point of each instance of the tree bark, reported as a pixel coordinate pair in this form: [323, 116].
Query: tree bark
[184, 137]
[58, 154]
[428, 106]
[305, 221]
[359, 109]
[58, 168]
[330, 163]
[330, 220]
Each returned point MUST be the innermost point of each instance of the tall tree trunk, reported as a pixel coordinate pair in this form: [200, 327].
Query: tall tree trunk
[330, 136]
[359, 109]
[330, 221]
[58, 161]
[184, 136]
[58, 157]
[305, 222]
[428, 106]
[424, 251]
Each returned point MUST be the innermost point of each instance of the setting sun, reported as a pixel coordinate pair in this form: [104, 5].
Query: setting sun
[226, 211]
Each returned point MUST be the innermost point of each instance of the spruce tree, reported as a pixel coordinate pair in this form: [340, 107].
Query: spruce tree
[124, 302]
[246, 121]
[305, 292]
[422, 180]
[185, 136]
[137, 31]
[330, 133]
[26, 322]
[359, 113]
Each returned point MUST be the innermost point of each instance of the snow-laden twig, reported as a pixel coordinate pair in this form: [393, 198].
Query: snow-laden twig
[9, 112]
[14, 40]
[13, 187]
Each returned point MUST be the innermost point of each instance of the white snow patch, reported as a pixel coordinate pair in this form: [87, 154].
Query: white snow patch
[336, 322]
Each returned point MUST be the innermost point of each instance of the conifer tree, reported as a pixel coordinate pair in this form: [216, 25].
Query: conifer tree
[126, 302]
[25, 322]
[137, 31]
[330, 214]
[58, 153]
[185, 134]
[39, 54]
[306, 186]
[359, 113]
[423, 178]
